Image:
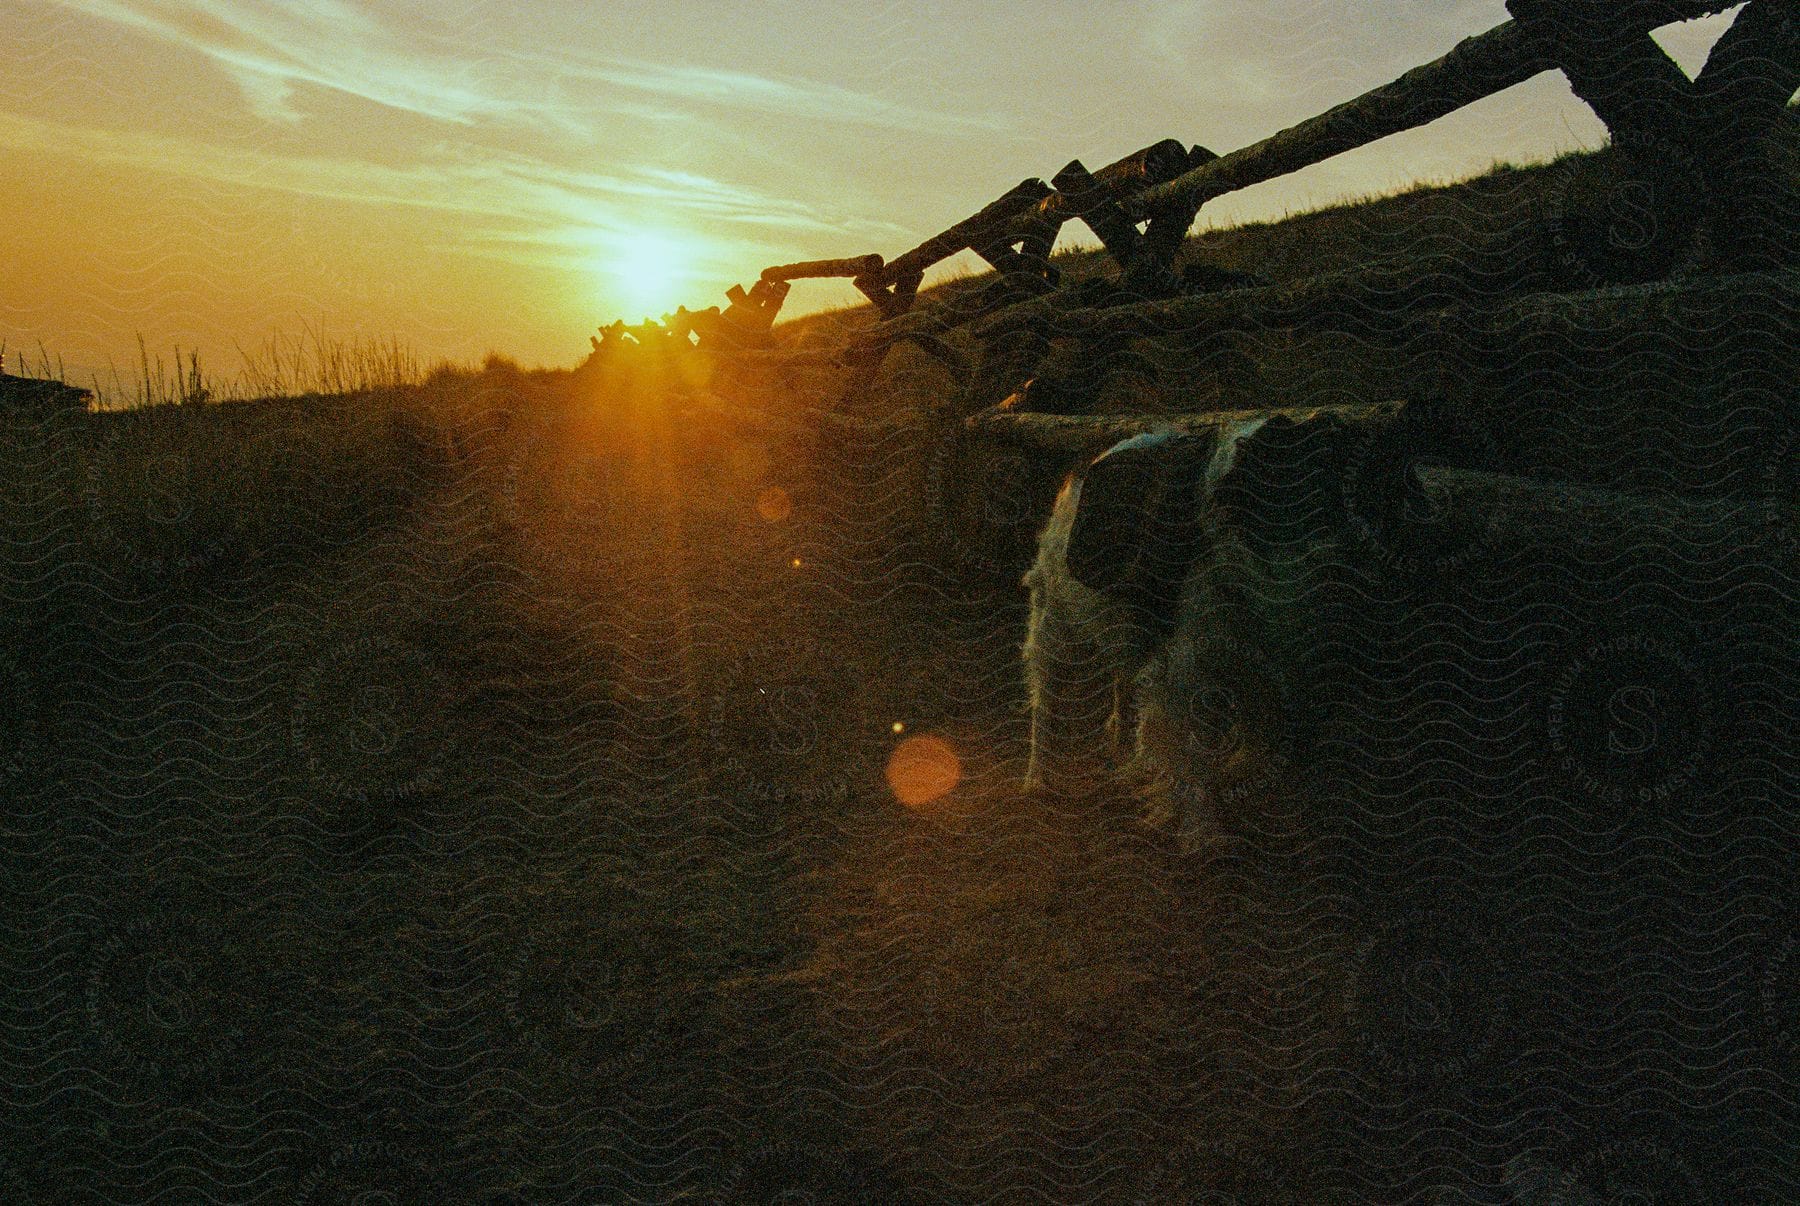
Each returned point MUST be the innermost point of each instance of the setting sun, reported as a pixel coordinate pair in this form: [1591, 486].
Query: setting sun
[647, 273]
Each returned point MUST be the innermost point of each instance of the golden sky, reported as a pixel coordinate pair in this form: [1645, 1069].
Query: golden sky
[473, 175]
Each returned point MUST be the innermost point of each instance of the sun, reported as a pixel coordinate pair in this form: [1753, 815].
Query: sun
[648, 273]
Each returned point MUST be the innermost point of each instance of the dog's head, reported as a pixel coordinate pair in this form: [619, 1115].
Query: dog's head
[1138, 523]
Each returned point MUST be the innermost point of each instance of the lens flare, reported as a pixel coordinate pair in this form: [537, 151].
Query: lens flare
[774, 504]
[922, 770]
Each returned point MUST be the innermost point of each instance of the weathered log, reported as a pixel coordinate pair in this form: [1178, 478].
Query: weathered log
[1475, 69]
[1582, 521]
[1000, 295]
[1007, 261]
[856, 265]
[925, 327]
[1619, 70]
[893, 287]
[1154, 164]
[981, 227]
[610, 339]
[1087, 433]
[1121, 180]
[1168, 227]
[698, 322]
[1096, 197]
[704, 324]
[966, 306]
[1425, 311]
[1038, 243]
[755, 311]
[1634, 16]
[652, 334]
[1755, 65]
[1620, 386]
[1347, 300]
[1681, 309]
[1693, 362]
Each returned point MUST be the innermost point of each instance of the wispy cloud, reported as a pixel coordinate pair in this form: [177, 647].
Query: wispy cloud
[784, 96]
[269, 49]
[506, 192]
[1255, 54]
[273, 50]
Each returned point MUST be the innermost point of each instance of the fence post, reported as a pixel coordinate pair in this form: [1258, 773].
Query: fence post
[1168, 226]
[1090, 200]
[1743, 113]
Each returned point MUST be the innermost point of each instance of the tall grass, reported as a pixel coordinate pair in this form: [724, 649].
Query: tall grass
[321, 441]
[157, 386]
[311, 363]
[48, 368]
[282, 366]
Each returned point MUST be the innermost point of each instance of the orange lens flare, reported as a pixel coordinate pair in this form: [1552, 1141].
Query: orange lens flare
[774, 504]
[922, 770]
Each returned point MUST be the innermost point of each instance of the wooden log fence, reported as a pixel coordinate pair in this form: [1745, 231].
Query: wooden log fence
[1592, 522]
[1092, 433]
[1335, 301]
[1556, 325]
[1699, 144]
